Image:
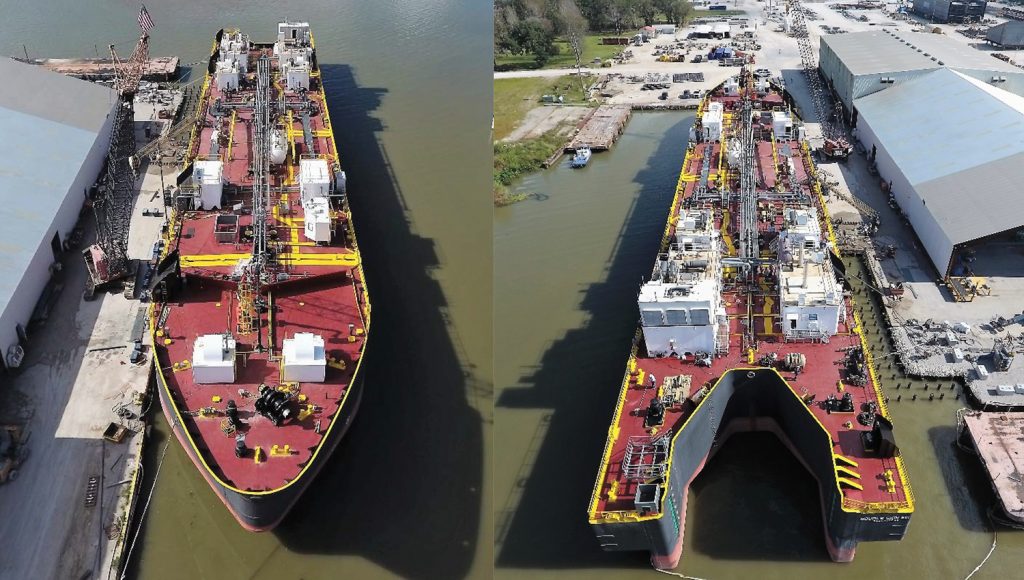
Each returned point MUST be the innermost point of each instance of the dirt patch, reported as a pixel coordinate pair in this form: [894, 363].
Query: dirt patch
[540, 120]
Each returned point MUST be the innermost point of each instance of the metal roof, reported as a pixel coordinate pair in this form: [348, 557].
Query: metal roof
[49, 124]
[874, 51]
[960, 144]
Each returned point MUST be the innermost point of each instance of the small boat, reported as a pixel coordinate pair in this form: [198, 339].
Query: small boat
[581, 158]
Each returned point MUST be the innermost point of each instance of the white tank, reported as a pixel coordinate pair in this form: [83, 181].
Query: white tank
[278, 147]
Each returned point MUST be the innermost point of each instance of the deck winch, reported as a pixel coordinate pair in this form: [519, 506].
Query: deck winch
[274, 405]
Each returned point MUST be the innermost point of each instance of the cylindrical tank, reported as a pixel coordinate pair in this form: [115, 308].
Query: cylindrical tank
[278, 147]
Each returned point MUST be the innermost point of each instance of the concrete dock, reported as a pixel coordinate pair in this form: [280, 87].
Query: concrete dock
[68, 513]
[163, 68]
[998, 439]
[601, 129]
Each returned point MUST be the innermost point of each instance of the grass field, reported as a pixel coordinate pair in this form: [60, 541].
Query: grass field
[592, 48]
[513, 98]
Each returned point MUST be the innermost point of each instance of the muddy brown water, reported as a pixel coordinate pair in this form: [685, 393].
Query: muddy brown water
[567, 269]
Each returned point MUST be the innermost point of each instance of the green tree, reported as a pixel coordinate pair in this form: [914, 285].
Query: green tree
[574, 27]
[675, 11]
[534, 37]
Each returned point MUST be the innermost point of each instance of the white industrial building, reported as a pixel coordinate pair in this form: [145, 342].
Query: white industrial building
[858, 64]
[952, 147]
[56, 132]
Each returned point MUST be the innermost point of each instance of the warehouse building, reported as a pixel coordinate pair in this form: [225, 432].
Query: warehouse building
[951, 149]
[1009, 34]
[56, 132]
[862, 63]
[951, 10]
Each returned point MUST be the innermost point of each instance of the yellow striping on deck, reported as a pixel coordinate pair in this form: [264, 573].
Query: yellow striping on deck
[849, 482]
[289, 132]
[844, 459]
[847, 471]
[769, 319]
[730, 248]
[287, 258]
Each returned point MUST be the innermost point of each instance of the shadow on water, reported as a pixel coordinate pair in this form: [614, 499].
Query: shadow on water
[402, 489]
[755, 501]
[577, 381]
[414, 456]
[965, 479]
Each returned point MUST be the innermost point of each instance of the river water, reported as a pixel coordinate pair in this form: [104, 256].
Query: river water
[567, 268]
[406, 493]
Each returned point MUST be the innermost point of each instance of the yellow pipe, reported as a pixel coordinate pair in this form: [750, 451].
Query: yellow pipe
[231, 135]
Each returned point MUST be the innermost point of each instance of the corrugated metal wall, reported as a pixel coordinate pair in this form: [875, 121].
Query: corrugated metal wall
[936, 243]
[1009, 34]
[836, 72]
[30, 287]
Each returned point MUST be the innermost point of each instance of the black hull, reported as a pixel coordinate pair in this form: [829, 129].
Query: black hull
[260, 513]
[751, 400]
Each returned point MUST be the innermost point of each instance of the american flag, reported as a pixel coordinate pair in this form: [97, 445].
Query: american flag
[145, 22]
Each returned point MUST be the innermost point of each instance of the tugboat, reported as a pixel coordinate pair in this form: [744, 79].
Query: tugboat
[745, 325]
[581, 157]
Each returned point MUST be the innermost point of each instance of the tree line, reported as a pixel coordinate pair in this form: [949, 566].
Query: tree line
[531, 26]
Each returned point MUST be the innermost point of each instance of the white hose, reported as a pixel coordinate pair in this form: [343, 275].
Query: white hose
[684, 576]
[145, 508]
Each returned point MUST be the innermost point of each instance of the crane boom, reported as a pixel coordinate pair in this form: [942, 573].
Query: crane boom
[107, 259]
[836, 145]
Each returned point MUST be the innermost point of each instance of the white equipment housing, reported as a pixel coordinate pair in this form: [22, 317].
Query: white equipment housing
[227, 75]
[732, 87]
[810, 297]
[296, 33]
[304, 359]
[711, 122]
[294, 54]
[209, 176]
[314, 178]
[234, 46]
[681, 307]
[296, 73]
[317, 219]
[213, 359]
[782, 125]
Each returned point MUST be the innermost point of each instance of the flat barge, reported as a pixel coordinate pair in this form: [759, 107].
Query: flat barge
[260, 311]
[745, 326]
[998, 439]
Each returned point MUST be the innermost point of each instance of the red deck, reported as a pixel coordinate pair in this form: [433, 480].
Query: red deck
[324, 294]
[824, 371]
